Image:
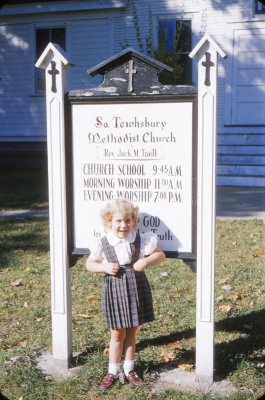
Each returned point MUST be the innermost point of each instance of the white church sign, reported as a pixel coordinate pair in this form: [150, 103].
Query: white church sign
[134, 138]
[141, 152]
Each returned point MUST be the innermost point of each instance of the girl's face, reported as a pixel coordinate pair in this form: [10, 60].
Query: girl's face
[121, 225]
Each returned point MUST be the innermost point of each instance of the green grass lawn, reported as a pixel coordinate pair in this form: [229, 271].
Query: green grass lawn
[25, 326]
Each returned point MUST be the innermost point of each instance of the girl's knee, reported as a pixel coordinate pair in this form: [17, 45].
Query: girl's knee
[132, 331]
[118, 335]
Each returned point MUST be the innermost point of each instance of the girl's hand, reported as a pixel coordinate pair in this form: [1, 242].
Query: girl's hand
[111, 268]
[140, 265]
[155, 258]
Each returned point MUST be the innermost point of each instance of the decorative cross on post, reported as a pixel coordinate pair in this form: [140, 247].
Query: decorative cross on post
[207, 64]
[130, 71]
[53, 72]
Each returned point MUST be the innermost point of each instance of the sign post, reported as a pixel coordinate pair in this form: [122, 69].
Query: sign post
[207, 52]
[54, 62]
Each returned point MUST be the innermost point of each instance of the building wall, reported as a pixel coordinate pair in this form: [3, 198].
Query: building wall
[15, 83]
[241, 77]
[89, 40]
[94, 35]
[224, 23]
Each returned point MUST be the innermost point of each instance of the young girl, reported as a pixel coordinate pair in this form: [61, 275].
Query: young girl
[122, 255]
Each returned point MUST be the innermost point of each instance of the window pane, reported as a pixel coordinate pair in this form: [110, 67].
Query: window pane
[259, 7]
[175, 35]
[183, 36]
[186, 63]
[42, 39]
[174, 48]
[58, 36]
[167, 35]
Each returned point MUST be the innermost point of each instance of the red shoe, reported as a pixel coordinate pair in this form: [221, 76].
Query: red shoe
[107, 382]
[134, 379]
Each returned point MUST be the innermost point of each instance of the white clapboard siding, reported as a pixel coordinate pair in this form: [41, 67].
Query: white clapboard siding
[22, 112]
[15, 85]
[90, 44]
[241, 160]
[236, 180]
[241, 150]
[249, 77]
[241, 170]
[243, 139]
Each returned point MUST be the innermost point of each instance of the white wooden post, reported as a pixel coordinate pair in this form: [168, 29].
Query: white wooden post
[207, 53]
[54, 62]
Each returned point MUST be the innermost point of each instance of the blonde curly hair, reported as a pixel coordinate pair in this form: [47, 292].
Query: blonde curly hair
[122, 206]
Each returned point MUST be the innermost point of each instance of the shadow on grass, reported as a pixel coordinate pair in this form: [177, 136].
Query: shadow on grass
[228, 354]
[23, 188]
[2, 397]
[21, 235]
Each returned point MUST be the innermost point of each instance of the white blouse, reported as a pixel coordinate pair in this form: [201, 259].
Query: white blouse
[148, 243]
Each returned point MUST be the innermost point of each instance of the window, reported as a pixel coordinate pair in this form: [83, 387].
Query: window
[259, 7]
[174, 48]
[43, 37]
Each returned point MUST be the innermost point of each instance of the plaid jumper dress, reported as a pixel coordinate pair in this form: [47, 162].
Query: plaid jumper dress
[126, 297]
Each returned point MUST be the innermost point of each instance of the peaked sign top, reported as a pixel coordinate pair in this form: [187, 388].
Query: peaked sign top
[130, 73]
[203, 46]
[124, 56]
[52, 51]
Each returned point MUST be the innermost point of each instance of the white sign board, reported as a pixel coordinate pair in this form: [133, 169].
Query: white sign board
[138, 151]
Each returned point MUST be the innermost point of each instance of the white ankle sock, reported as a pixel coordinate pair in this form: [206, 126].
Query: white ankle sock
[114, 369]
[128, 366]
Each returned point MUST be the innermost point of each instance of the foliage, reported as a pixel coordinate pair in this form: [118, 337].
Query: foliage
[172, 59]
[160, 52]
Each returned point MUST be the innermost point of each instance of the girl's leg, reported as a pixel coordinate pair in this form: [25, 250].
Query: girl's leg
[130, 343]
[116, 345]
[129, 356]
[115, 353]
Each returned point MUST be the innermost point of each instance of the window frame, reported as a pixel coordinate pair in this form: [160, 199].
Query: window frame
[258, 3]
[175, 18]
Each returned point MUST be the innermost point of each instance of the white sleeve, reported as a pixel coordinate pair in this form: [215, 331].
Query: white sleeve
[149, 242]
[96, 250]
